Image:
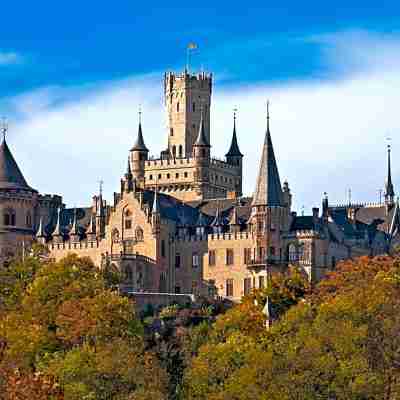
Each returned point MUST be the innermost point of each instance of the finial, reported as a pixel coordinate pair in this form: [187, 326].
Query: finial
[140, 113]
[267, 109]
[4, 127]
[234, 117]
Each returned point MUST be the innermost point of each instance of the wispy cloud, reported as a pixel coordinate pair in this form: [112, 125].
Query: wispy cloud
[9, 58]
[329, 135]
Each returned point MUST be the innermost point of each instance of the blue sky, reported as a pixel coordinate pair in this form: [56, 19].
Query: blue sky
[74, 72]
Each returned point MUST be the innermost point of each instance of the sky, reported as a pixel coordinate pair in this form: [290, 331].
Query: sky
[73, 74]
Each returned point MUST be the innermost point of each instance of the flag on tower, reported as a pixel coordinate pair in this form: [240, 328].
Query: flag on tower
[192, 46]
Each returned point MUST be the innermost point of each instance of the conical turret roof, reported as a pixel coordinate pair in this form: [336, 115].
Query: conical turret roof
[40, 232]
[268, 190]
[201, 137]
[10, 175]
[234, 149]
[139, 144]
[389, 190]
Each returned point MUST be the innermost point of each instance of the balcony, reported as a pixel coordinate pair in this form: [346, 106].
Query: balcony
[259, 263]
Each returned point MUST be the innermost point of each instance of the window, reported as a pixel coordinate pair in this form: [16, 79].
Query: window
[168, 176]
[211, 287]
[272, 251]
[171, 131]
[185, 174]
[211, 257]
[139, 234]
[292, 252]
[333, 262]
[229, 256]
[177, 107]
[195, 260]
[229, 287]
[203, 152]
[174, 151]
[128, 224]
[162, 248]
[177, 260]
[261, 253]
[247, 256]
[29, 220]
[151, 177]
[194, 107]
[177, 289]
[180, 150]
[159, 176]
[176, 176]
[261, 282]
[9, 217]
[246, 286]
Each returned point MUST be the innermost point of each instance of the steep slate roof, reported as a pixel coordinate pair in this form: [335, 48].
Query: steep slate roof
[10, 175]
[139, 144]
[234, 149]
[268, 190]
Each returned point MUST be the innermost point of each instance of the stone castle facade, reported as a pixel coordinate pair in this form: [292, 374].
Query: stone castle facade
[179, 223]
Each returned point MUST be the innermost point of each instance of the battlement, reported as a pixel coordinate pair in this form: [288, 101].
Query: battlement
[159, 163]
[70, 245]
[355, 205]
[217, 236]
[216, 162]
[170, 78]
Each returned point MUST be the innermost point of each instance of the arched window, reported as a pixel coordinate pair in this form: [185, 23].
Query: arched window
[177, 106]
[171, 131]
[180, 150]
[139, 234]
[174, 151]
[29, 220]
[292, 253]
[9, 218]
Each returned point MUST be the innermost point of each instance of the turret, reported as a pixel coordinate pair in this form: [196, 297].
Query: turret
[234, 156]
[57, 235]
[201, 147]
[138, 155]
[234, 224]
[74, 234]
[100, 213]
[91, 230]
[325, 208]
[41, 234]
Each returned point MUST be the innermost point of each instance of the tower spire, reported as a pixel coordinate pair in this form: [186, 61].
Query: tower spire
[4, 128]
[139, 143]
[268, 191]
[234, 148]
[40, 232]
[201, 137]
[57, 230]
[389, 190]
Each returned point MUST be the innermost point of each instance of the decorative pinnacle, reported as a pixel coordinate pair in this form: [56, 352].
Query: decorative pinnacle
[140, 113]
[101, 182]
[4, 127]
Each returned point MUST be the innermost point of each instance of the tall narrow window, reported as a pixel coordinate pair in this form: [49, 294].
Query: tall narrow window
[177, 260]
[247, 256]
[229, 256]
[180, 150]
[177, 107]
[194, 107]
[162, 248]
[29, 220]
[229, 288]
[246, 286]
[174, 151]
[261, 281]
[171, 131]
[195, 260]
[211, 258]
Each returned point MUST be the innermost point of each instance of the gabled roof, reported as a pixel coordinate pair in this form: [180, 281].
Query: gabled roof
[10, 175]
[268, 190]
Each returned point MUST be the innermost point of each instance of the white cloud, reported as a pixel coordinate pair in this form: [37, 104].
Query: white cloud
[8, 58]
[328, 136]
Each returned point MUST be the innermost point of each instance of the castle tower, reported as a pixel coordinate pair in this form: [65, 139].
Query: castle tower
[138, 155]
[389, 190]
[186, 97]
[269, 213]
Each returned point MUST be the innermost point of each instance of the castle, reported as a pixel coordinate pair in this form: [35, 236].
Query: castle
[179, 223]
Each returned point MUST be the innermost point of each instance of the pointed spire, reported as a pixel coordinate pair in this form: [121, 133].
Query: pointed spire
[139, 144]
[156, 204]
[389, 190]
[40, 232]
[74, 229]
[217, 219]
[10, 175]
[57, 230]
[201, 137]
[268, 190]
[91, 229]
[234, 217]
[234, 149]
